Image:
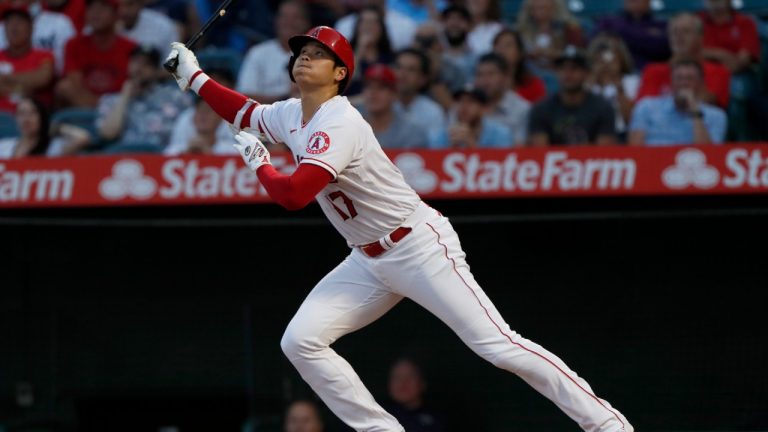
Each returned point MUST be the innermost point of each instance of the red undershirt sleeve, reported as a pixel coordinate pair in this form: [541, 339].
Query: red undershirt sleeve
[226, 102]
[297, 190]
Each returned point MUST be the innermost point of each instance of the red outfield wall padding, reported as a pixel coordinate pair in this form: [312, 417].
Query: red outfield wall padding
[552, 172]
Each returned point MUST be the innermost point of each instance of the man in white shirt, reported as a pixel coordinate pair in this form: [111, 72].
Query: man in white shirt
[146, 26]
[50, 31]
[263, 74]
[412, 71]
[400, 27]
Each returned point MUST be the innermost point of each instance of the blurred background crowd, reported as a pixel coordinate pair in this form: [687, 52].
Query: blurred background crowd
[85, 76]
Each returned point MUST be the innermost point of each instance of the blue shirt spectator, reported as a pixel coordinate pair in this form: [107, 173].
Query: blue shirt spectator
[412, 69]
[663, 123]
[469, 128]
[680, 117]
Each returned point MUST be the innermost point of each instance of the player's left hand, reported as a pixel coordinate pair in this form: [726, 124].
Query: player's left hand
[252, 150]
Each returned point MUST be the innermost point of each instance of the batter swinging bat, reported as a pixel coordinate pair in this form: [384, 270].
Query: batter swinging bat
[171, 64]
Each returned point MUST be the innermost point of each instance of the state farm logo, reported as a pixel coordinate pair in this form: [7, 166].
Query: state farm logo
[128, 180]
[690, 169]
[415, 173]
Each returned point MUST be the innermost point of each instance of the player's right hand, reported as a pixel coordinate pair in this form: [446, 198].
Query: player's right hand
[252, 150]
[187, 67]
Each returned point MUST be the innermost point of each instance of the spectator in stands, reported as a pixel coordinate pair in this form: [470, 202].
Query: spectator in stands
[73, 9]
[509, 45]
[730, 38]
[420, 11]
[50, 30]
[575, 115]
[24, 70]
[303, 416]
[407, 388]
[469, 127]
[486, 23]
[400, 27]
[199, 129]
[686, 33]
[644, 35]
[446, 77]
[36, 138]
[412, 72]
[391, 127]
[456, 23]
[97, 63]
[146, 26]
[144, 111]
[613, 77]
[32, 121]
[263, 74]
[181, 12]
[681, 117]
[547, 27]
[371, 44]
[504, 105]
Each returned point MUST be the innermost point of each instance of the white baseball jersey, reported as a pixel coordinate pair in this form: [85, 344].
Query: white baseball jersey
[368, 197]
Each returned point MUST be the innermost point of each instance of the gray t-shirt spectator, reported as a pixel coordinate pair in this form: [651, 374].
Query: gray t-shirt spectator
[424, 112]
[513, 111]
[566, 125]
[402, 133]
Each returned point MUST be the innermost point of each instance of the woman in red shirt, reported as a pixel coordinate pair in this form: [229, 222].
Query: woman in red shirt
[509, 45]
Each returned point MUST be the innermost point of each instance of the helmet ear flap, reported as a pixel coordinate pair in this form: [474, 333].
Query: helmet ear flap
[291, 62]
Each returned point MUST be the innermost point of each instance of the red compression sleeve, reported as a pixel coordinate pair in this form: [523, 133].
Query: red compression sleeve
[226, 102]
[297, 190]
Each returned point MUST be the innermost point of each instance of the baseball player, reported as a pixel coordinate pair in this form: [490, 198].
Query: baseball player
[400, 247]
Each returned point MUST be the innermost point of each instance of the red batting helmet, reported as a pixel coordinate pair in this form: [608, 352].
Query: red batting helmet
[331, 39]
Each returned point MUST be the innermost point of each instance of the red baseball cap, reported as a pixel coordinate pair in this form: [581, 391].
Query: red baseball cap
[14, 9]
[382, 73]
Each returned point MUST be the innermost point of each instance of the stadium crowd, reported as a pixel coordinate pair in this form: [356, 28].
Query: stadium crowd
[85, 76]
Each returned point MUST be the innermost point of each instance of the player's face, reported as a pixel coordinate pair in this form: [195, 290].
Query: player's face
[302, 417]
[316, 66]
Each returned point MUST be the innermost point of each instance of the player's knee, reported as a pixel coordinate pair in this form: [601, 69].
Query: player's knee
[298, 344]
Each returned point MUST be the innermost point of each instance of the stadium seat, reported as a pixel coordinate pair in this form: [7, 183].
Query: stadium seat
[755, 7]
[220, 58]
[81, 117]
[7, 125]
[132, 148]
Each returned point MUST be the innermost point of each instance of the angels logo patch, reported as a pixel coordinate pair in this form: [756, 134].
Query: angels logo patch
[318, 143]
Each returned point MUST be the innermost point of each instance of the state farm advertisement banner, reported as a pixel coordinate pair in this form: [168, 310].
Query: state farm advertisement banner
[573, 171]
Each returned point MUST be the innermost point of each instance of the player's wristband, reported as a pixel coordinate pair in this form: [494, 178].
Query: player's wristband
[198, 79]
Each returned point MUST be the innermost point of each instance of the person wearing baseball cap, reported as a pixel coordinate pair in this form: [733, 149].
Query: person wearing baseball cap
[399, 246]
[392, 129]
[574, 115]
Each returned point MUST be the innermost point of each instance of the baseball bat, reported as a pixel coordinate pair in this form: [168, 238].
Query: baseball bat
[173, 63]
